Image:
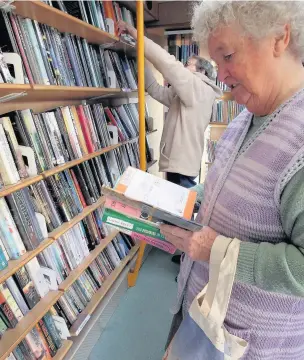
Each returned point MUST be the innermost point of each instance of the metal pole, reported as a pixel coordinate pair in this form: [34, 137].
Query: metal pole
[141, 110]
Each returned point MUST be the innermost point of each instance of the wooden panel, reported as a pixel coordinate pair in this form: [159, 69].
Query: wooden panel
[6, 190]
[12, 337]
[74, 275]
[46, 14]
[14, 265]
[97, 297]
[55, 234]
[66, 345]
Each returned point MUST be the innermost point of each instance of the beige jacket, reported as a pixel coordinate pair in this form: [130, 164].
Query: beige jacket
[189, 99]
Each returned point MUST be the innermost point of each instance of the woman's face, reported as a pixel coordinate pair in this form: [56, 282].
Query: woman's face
[247, 66]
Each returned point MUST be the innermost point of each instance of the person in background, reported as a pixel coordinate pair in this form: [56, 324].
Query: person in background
[254, 190]
[190, 99]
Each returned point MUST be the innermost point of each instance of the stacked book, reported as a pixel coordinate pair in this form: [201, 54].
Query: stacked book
[140, 202]
[226, 111]
[52, 58]
[211, 147]
[101, 14]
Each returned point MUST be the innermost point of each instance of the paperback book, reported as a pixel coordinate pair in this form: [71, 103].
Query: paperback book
[140, 202]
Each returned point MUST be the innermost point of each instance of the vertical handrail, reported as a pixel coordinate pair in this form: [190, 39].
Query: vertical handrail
[132, 277]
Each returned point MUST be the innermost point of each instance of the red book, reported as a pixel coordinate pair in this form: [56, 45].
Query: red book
[21, 48]
[85, 129]
[110, 18]
[113, 121]
[76, 183]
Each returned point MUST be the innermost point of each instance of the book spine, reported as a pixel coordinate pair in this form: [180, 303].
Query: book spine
[52, 347]
[7, 311]
[50, 325]
[21, 49]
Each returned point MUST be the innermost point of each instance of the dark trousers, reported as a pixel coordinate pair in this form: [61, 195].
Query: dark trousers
[182, 180]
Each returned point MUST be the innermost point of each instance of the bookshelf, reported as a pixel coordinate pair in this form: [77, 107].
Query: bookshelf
[42, 98]
[63, 350]
[13, 337]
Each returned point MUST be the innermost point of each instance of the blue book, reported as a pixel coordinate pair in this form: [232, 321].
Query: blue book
[3, 261]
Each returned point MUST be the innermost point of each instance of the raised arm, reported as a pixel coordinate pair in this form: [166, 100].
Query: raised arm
[160, 93]
[188, 87]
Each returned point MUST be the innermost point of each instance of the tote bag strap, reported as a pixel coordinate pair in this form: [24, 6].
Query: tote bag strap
[217, 255]
[214, 299]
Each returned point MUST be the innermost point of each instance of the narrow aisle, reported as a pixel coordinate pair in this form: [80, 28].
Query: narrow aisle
[139, 327]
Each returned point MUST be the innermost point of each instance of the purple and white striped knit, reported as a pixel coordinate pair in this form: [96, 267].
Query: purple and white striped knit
[241, 199]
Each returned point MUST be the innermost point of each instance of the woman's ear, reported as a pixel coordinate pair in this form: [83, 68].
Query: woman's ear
[282, 41]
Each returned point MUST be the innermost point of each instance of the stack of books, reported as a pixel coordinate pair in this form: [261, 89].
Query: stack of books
[52, 58]
[140, 202]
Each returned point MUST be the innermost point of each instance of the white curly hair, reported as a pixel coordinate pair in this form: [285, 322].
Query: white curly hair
[258, 19]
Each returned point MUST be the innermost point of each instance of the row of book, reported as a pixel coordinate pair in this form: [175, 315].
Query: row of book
[101, 14]
[210, 147]
[222, 85]
[21, 292]
[226, 111]
[52, 58]
[182, 46]
[65, 134]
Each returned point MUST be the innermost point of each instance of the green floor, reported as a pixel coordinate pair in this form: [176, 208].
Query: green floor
[139, 327]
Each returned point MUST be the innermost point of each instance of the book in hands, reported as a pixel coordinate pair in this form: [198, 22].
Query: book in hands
[140, 202]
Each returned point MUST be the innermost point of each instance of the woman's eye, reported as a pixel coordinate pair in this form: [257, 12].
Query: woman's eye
[228, 57]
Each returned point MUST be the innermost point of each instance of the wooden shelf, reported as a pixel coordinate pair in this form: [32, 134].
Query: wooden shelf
[66, 345]
[12, 337]
[100, 294]
[48, 15]
[68, 225]
[44, 175]
[75, 162]
[74, 275]
[15, 265]
[44, 97]
[6, 190]
[66, 23]
[218, 124]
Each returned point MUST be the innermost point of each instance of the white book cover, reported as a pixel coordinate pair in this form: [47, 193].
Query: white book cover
[36, 275]
[11, 226]
[8, 168]
[69, 123]
[113, 254]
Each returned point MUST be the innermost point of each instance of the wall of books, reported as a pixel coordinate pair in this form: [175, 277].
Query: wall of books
[181, 45]
[57, 258]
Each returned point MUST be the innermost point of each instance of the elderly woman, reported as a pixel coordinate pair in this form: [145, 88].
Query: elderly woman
[254, 191]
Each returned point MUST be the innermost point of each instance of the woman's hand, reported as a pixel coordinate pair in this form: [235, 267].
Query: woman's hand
[125, 28]
[195, 244]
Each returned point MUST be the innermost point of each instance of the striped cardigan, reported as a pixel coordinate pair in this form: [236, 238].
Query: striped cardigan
[242, 196]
